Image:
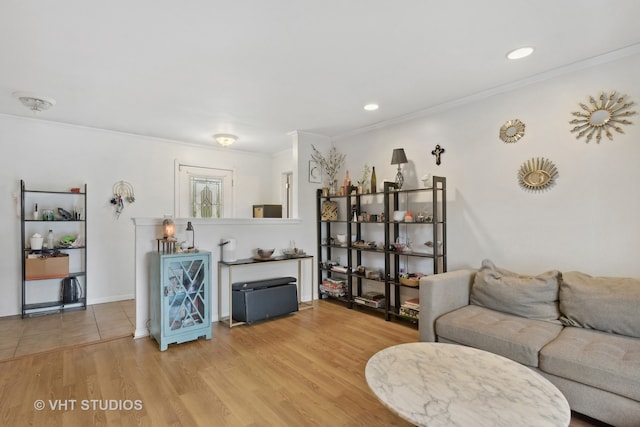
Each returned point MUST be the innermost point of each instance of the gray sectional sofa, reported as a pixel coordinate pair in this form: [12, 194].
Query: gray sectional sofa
[580, 332]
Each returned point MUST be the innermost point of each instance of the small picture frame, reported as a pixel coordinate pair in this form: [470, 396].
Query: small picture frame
[315, 172]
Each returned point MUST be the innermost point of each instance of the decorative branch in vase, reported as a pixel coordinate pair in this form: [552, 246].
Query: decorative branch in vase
[330, 165]
[366, 170]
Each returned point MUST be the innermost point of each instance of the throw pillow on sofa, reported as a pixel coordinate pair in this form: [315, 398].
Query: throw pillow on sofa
[533, 297]
[608, 304]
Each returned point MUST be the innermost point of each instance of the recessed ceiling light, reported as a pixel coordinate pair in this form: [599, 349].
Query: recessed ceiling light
[371, 107]
[521, 52]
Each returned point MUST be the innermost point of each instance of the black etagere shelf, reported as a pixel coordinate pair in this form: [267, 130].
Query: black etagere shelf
[351, 254]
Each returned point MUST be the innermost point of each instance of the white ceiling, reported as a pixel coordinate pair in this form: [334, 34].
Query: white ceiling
[185, 70]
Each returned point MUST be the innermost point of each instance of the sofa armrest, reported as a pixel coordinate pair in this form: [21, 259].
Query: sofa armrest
[440, 294]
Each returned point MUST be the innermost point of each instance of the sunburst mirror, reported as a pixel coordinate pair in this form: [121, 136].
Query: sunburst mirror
[602, 115]
[512, 131]
[537, 174]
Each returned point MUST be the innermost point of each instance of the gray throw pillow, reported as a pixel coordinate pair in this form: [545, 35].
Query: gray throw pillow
[608, 304]
[533, 297]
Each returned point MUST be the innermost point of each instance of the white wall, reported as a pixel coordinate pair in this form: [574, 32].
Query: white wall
[52, 156]
[249, 235]
[587, 221]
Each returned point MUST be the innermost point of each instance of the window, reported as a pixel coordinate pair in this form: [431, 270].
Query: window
[206, 198]
[203, 192]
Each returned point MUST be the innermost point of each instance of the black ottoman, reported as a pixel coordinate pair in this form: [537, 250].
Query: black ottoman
[264, 299]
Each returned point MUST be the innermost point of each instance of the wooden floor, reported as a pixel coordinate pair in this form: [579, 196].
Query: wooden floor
[306, 369]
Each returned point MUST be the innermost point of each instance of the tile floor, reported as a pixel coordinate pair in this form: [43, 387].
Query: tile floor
[19, 337]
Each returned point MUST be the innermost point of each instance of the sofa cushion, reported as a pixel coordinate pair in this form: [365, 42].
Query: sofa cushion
[608, 304]
[533, 297]
[606, 361]
[517, 338]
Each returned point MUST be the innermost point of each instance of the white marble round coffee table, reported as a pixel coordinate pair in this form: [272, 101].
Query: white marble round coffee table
[436, 384]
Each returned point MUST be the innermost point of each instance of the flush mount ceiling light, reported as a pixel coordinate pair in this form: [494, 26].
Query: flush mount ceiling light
[371, 107]
[521, 52]
[33, 102]
[225, 139]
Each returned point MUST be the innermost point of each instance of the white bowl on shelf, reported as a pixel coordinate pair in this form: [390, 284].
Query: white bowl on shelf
[342, 239]
[265, 253]
[398, 216]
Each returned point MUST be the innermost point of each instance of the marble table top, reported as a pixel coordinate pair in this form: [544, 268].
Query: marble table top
[437, 384]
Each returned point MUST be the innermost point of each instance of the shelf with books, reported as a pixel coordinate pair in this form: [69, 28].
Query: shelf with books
[410, 309]
[371, 299]
[333, 287]
[363, 234]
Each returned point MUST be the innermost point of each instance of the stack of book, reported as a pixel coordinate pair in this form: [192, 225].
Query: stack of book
[333, 287]
[410, 309]
[370, 299]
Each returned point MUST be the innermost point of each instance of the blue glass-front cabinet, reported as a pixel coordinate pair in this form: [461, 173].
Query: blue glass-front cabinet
[180, 297]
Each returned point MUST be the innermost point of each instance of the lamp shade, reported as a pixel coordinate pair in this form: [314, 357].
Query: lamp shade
[168, 228]
[398, 157]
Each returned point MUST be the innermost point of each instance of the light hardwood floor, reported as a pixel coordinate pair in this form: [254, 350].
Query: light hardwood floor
[306, 369]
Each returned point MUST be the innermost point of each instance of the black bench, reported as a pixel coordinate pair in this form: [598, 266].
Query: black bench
[264, 299]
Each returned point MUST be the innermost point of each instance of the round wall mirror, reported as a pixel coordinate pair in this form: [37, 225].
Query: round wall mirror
[512, 131]
[599, 118]
[602, 115]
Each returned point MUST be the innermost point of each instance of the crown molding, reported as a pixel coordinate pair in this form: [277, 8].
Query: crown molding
[508, 87]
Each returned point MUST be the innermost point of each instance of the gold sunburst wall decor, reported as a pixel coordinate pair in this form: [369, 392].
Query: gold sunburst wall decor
[537, 174]
[512, 131]
[602, 115]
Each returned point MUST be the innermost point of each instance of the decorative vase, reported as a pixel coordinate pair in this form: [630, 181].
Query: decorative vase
[374, 183]
[347, 184]
[333, 187]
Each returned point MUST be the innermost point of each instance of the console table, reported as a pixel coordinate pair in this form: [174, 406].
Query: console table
[248, 262]
[438, 384]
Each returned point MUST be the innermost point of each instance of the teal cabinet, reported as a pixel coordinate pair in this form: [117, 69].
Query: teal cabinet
[180, 297]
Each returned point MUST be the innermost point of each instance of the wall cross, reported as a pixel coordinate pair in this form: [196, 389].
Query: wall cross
[437, 152]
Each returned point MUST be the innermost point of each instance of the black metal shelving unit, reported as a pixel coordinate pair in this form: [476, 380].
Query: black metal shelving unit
[438, 226]
[29, 225]
[390, 200]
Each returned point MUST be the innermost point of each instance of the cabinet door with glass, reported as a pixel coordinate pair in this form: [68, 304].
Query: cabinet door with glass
[180, 297]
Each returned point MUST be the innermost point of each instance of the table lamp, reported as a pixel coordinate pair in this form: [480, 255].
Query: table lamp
[168, 229]
[399, 158]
